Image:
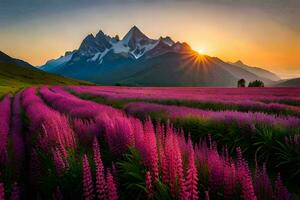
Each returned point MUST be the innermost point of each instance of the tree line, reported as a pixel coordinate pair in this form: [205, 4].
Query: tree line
[256, 83]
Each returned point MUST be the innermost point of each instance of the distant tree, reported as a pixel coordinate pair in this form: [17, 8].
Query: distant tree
[256, 83]
[241, 83]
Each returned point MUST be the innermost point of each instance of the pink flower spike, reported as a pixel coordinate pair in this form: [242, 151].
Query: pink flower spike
[112, 190]
[88, 190]
[149, 185]
[101, 187]
[192, 178]
[247, 185]
[59, 162]
[263, 186]
[151, 148]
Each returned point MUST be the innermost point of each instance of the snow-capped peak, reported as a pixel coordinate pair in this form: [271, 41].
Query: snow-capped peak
[135, 38]
[92, 45]
[135, 34]
[134, 45]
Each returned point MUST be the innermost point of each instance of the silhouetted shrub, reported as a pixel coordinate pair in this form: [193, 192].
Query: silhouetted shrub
[241, 83]
[256, 83]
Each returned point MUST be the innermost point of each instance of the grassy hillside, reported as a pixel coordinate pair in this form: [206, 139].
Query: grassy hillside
[14, 77]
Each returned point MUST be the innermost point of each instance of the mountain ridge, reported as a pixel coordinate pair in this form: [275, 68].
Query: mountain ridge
[256, 70]
[294, 82]
[8, 59]
[105, 60]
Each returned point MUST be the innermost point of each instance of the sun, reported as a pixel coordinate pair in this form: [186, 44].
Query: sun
[200, 50]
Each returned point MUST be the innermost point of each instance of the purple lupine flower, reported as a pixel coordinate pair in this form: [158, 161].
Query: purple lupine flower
[164, 166]
[112, 190]
[59, 162]
[192, 177]
[151, 147]
[263, 186]
[138, 131]
[171, 164]
[244, 176]
[216, 170]
[160, 135]
[171, 161]
[230, 180]
[247, 186]
[88, 187]
[119, 134]
[148, 181]
[180, 175]
[101, 187]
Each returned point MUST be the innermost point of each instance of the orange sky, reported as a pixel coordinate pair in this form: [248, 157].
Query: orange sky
[248, 33]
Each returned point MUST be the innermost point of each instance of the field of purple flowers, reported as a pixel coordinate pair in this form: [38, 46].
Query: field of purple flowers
[150, 143]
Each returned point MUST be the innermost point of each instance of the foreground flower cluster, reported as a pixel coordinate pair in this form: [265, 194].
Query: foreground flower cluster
[256, 119]
[58, 146]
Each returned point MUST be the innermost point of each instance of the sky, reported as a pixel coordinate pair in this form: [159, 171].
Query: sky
[263, 33]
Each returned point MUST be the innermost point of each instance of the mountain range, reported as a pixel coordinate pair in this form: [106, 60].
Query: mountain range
[138, 60]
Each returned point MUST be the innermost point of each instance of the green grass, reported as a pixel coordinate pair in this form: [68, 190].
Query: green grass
[14, 78]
